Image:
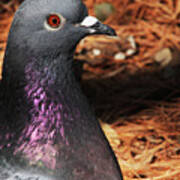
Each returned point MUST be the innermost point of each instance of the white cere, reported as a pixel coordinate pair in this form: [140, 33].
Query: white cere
[89, 21]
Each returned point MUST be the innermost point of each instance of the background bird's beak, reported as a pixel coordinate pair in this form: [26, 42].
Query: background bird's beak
[94, 26]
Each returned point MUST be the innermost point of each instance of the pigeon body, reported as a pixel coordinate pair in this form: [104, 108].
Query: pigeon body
[48, 131]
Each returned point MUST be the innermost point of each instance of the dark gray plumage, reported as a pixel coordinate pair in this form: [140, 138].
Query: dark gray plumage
[47, 128]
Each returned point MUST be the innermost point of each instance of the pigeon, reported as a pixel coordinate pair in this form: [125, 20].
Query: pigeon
[48, 130]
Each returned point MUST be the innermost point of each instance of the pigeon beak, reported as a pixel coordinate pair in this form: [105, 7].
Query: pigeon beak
[94, 26]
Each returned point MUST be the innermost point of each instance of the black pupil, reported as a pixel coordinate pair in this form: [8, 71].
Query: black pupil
[55, 21]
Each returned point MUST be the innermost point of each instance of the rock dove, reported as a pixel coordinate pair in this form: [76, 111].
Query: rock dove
[48, 130]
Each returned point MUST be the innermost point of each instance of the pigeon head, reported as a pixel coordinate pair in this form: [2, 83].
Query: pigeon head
[52, 27]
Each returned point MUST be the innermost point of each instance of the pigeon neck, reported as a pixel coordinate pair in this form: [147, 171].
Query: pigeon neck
[41, 86]
[51, 111]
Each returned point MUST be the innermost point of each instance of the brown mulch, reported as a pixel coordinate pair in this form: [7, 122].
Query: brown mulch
[136, 99]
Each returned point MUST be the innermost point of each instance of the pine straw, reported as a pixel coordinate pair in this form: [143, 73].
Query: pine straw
[144, 149]
[135, 96]
[154, 24]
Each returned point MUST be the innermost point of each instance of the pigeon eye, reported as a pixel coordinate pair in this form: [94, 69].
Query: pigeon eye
[54, 21]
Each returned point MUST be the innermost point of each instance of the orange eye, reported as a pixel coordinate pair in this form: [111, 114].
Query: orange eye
[54, 21]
